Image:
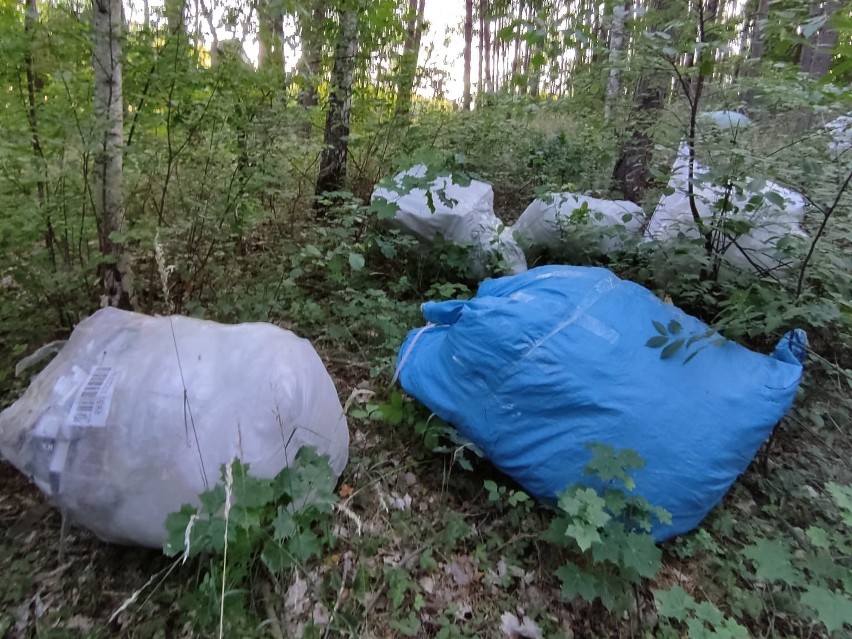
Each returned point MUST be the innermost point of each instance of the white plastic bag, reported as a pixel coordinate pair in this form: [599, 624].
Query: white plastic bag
[840, 131]
[554, 222]
[462, 214]
[769, 222]
[136, 415]
[724, 120]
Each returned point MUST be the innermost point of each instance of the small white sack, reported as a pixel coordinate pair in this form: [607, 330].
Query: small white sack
[462, 214]
[136, 415]
[549, 223]
[840, 131]
[770, 223]
[724, 120]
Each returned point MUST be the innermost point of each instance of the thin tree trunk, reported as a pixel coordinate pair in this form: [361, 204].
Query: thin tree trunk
[407, 70]
[214, 46]
[632, 170]
[332, 172]
[816, 55]
[107, 180]
[486, 39]
[35, 84]
[174, 10]
[479, 74]
[468, 46]
[311, 60]
[619, 15]
[265, 35]
[755, 53]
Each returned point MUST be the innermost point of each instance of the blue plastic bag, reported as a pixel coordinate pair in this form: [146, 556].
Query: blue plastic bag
[540, 364]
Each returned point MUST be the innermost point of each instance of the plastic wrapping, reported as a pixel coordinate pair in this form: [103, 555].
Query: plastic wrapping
[136, 414]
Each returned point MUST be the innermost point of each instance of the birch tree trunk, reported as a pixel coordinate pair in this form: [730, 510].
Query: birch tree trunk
[332, 170]
[468, 46]
[107, 179]
[486, 38]
[619, 15]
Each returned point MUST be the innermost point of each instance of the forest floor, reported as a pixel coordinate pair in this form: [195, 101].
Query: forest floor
[421, 550]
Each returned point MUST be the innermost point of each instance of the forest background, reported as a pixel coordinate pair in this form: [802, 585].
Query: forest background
[216, 159]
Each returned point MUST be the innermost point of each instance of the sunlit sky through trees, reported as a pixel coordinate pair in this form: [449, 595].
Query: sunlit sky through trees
[443, 43]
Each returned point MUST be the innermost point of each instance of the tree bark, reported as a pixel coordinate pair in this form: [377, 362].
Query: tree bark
[632, 169]
[270, 35]
[107, 181]
[35, 85]
[407, 70]
[616, 41]
[332, 172]
[311, 32]
[174, 10]
[468, 46]
[816, 55]
[486, 38]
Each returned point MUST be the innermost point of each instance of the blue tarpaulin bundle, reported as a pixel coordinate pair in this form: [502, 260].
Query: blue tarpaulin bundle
[541, 364]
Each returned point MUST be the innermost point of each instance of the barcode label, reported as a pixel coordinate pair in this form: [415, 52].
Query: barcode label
[91, 407]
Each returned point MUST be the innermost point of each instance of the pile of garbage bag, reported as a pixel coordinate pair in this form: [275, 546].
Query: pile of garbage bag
[135, 416]
[575, 224]
[463, 214]
[769, 217]
[539, 365]
[840, 132]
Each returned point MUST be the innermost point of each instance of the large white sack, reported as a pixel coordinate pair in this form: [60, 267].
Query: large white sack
[462, 214]
[136, 415]
[770, 222]
[554, 222]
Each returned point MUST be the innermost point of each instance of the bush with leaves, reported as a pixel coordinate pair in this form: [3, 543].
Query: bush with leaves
[608, 531]
[246, 522]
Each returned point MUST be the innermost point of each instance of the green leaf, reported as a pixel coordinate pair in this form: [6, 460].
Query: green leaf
[772, 561]
[609, 464]
[660, 328]
[577, 583]
[656, 342]
[675, 327]
[213, 500]
[818, 537]
[384, 210]
[832, 609]
[842, 496]
[176, 524]
[356, 261]
[670, 350]
[408, 627]
[640, 553]
[276, 558]
[283, 526]
[584, 535]
[251, 492]
[304, 545]
[674, 603]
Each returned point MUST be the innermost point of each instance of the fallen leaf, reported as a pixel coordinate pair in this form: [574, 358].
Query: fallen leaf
[515, 628]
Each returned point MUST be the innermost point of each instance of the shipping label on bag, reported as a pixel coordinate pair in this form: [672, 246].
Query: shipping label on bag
[91, 407]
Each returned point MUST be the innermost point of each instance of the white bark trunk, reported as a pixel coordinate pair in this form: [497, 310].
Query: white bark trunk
[109, 121]
[619, 15]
